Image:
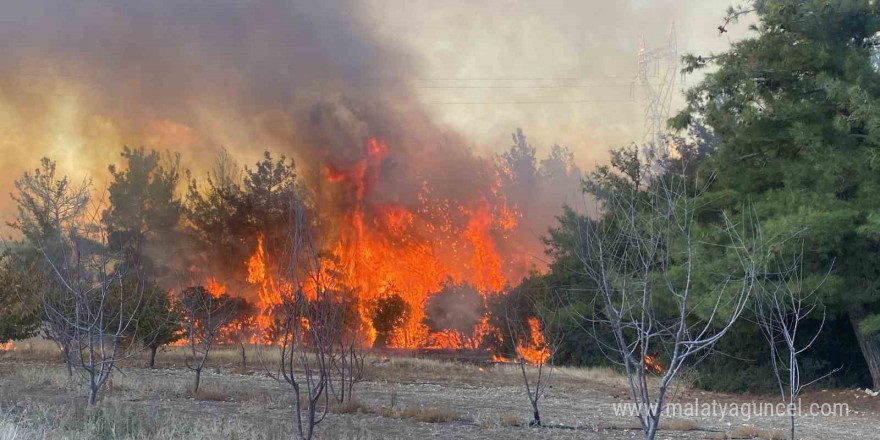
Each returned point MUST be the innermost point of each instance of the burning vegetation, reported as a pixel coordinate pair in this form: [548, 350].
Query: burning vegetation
[418, 263]
[402, 207]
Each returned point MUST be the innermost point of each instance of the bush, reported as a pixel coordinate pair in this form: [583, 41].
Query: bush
[389, 314]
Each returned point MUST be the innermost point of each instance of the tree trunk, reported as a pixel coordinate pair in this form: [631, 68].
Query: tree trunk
[870, 346]
[198, 379]
[651, 428]
[65, 351]
[153, 356]
[93, 389]
[243, 356]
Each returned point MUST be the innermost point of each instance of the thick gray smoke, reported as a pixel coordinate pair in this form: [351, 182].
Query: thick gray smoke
[311, 79]
[78, 79]
[302, 78]
[225, 71]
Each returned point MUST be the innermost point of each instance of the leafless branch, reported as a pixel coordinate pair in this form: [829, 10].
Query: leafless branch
[641, 257]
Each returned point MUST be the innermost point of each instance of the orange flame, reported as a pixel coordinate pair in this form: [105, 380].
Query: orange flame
[409, 248]
[214, 287]
[451, 339]
[534, 350]
[410, 251]
[652, 364]
[260, 276]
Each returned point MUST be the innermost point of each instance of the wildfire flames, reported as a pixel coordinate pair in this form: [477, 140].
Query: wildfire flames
[652, 364]
[260, 276]
[393, 248]
[535, 350]
[388, 248]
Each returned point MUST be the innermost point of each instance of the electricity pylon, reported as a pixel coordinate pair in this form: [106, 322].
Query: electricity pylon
[661, 63]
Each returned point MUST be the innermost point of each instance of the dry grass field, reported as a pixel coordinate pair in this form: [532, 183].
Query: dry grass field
[401, 398]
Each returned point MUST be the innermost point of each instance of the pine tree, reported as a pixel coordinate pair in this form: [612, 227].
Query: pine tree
[794, 109]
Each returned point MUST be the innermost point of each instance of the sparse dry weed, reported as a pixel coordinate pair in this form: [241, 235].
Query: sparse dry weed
[430, 414]
[677, 425]
[752, 432]
[351, 408]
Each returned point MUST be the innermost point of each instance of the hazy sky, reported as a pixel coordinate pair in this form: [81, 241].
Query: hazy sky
[481, 50]
[81, 79]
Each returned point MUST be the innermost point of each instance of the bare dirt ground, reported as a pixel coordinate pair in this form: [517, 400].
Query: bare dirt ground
[478, 402]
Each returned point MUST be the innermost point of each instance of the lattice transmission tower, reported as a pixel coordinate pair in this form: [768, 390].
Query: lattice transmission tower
[658, 70]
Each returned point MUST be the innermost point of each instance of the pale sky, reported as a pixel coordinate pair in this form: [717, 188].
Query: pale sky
[522, 51]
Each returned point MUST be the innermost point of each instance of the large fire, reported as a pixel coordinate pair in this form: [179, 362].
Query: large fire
[410, 251]
[379, 249]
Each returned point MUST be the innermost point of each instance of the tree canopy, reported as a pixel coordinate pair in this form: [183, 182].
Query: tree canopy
[793, 109]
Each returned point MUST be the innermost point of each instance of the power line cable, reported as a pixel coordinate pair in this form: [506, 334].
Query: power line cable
[591, 101]
[590, 86]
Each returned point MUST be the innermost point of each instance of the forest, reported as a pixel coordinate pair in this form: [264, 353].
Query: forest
[742, 251]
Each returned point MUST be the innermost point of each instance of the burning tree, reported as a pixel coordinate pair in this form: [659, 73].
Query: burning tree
[312, 317]
[534, 355]
[390, 315]
[393, 251]
[347, 359]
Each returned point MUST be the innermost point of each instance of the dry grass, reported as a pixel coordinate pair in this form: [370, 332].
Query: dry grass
[495, 421]
[110, 421]
[255, 404]
[431, 414]
[752, 432]
[421, 413]
[33, 349]
[678, 425]
[772, 434]
[10, 430]
[227, 359]
[351, 408]
[211, 395]
[511, 420]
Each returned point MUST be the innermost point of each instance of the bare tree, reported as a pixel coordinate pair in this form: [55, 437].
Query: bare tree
[347, 358]
[49, 205]
[782, 305]
[534, 355]
[57, 305]
[642, 258]
[310, 319]
[91, 298]
[205, 316]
